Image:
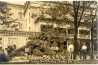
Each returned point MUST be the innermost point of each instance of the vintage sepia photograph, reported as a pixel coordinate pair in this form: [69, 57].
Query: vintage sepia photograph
[48, 32]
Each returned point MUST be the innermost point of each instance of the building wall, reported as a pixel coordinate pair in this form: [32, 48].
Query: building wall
[30, 21]
[19, 41]
[27, 23]
[17, 13]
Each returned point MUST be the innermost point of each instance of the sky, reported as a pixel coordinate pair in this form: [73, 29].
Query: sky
[34, 3]
[16, 2]
[21, 2]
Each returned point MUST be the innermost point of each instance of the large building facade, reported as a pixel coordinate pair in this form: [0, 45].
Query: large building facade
[27, 26]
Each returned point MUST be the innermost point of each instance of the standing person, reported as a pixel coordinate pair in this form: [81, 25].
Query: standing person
[13, 48]
[6, 52]
[83, 51]
[59, 45]
[9, 49]
[27, 51]
[45, 43]
[65, 44]
[3, 57]
[51, 42]
[55, 46]
[70, 50]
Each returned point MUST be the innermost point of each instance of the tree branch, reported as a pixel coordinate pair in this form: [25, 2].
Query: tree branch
[84, 8]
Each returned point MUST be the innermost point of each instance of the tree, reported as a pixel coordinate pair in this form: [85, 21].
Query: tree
[79, 8]
[92, 18]
[57, 12]
[3, 7]
[5, 16]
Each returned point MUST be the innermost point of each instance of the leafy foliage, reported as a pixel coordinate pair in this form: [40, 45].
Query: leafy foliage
[5, 15]
[56, 13]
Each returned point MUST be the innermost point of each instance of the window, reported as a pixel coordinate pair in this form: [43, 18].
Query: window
[71, 31]
[60, 30]
[85, 32]
[45, 28]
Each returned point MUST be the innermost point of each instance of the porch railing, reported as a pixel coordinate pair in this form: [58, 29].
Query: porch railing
[19, 33]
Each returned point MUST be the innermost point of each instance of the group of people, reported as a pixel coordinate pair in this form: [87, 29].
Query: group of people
[44, 46]
[83, 50]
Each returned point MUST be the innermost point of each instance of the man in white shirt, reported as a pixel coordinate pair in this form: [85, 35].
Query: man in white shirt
[70, 49]
[84, 47]
[84, 50]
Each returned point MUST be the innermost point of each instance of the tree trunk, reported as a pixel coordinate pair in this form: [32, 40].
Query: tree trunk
[92, 44]
[75, 42]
